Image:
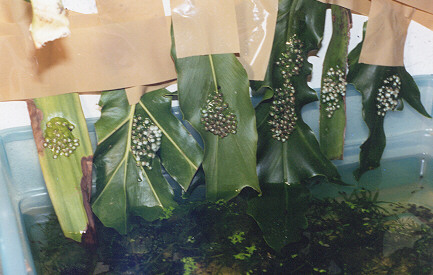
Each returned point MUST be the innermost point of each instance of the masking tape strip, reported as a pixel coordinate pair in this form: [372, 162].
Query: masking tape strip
[386, 33]
[119, 47]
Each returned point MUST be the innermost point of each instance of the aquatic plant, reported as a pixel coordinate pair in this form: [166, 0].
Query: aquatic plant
[189, 265]
[249, 251]
[344, 235]
[167, 213]
[237, 237]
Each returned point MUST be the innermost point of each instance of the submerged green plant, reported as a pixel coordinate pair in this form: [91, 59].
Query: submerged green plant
[344, 236]
[189, 265]
[59, 139]
[55, 254]
[167, 213]
[245, 255]
[237, 237]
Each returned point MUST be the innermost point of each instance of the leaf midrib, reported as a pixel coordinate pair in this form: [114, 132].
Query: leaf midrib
[124, 158]
[191, 163]
[151, 188]
[114, 130]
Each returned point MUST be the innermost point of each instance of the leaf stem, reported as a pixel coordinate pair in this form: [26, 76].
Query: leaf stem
[213, 73]
[285, 164]
[127, 151]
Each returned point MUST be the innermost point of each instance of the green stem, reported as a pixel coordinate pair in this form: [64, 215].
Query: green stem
[285, 162]
[213, 73]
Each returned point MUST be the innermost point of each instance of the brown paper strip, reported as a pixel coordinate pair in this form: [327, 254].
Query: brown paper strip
[386, 33]
[424, 18]
[360, 6]
[135, 93]
[121, 47]
[204, 27]
[256, 26]
[387, 27]
[422, 5]
[363, 7]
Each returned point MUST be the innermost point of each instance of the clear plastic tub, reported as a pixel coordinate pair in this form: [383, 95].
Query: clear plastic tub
[407, 162]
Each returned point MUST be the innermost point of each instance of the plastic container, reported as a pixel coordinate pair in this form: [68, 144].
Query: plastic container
[408, 160]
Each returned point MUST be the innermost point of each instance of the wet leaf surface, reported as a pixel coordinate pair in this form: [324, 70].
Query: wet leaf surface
[300, 156]
[368, 79]
[332, 129]
[280, 213]
[229, 162]
[125, 189]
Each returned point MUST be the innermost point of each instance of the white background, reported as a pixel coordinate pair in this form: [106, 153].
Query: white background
[418, 60]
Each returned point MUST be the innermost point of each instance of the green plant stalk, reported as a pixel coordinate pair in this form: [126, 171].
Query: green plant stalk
[68, 179]
[332, 130]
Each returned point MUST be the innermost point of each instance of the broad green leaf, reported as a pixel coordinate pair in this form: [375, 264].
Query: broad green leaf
[333, 122]
[124, 188]
[280, 213]
[368, 79]
[300, 156]
[297, 159]
[63, 175]
[229, 163]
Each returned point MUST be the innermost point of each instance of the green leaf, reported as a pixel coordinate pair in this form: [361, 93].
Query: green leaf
[63, 175]
[280, 213]
[230, 162]
[368, 79]
[296, 159]
[300, 156]
[333, 125]
[123, 188]
[180, 153]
